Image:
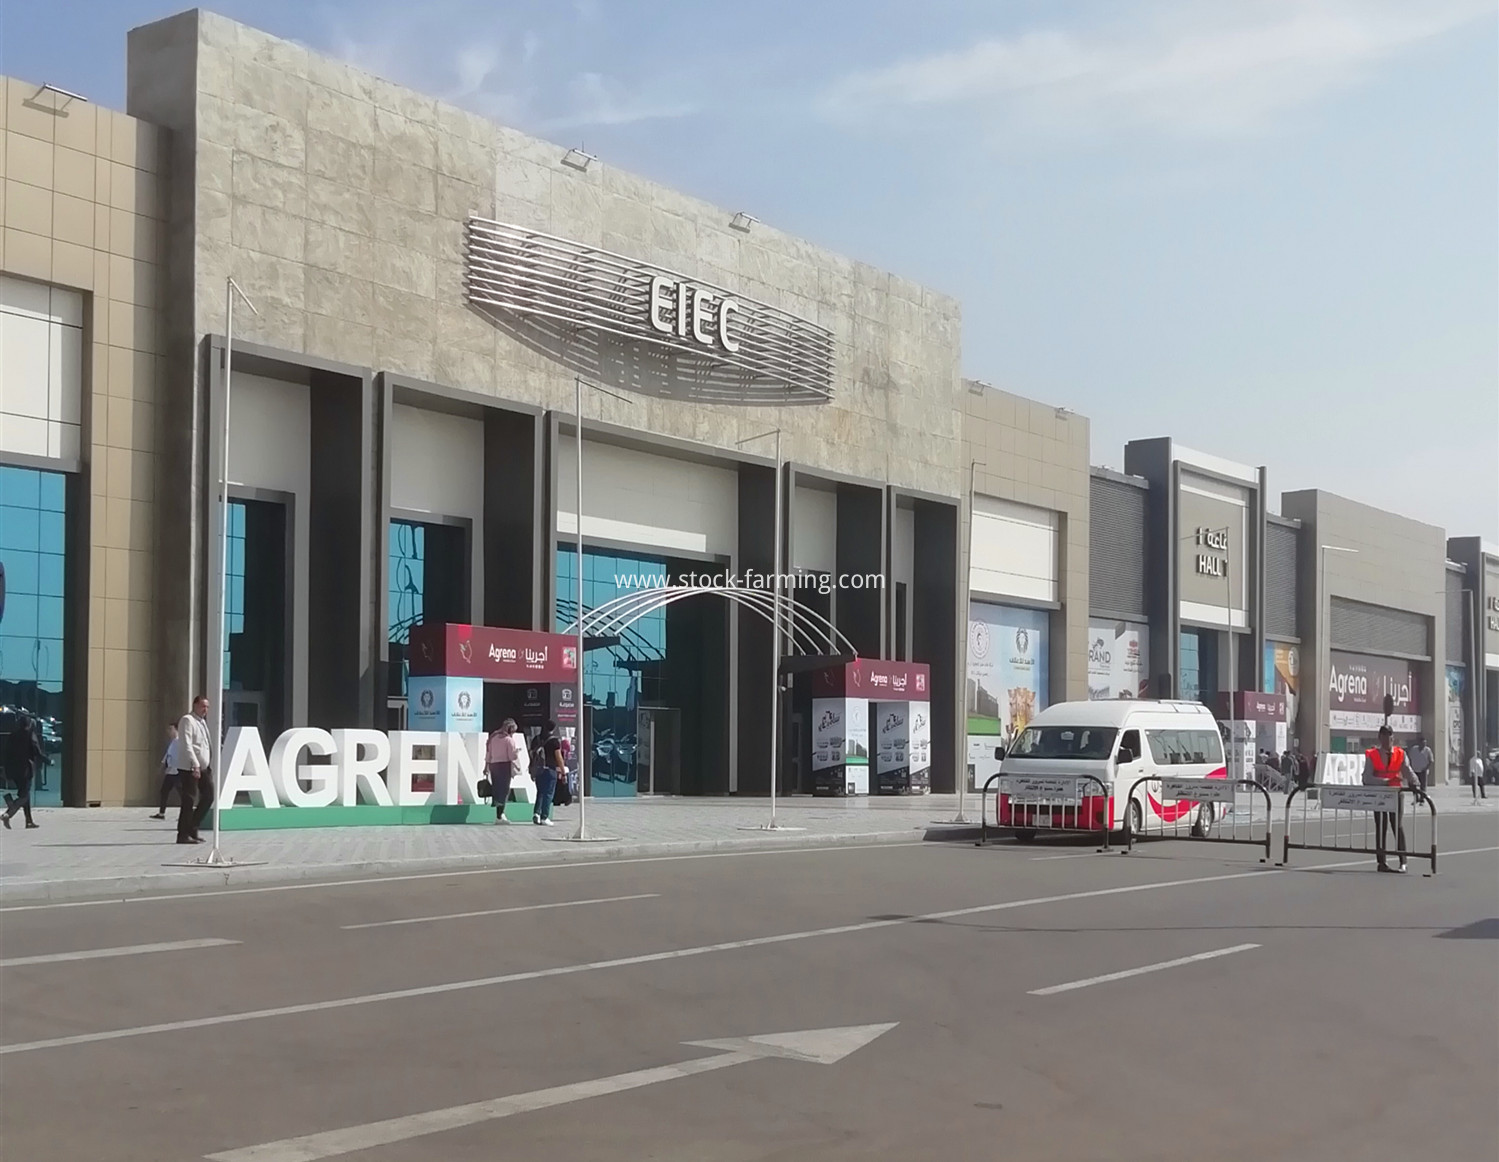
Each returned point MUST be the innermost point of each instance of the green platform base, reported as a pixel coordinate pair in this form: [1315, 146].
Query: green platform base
[364, 815]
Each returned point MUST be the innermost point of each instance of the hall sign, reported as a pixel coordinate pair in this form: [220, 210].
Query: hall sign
[356, 766]
[1214, 562]
[739, 348]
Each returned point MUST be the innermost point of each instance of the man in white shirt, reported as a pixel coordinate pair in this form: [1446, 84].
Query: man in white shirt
[194, 775]
[1420, 757]
[1475, 772]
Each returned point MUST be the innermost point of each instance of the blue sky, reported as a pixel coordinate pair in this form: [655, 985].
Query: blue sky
[1269, 228]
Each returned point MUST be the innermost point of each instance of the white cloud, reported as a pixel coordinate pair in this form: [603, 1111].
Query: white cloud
[1191, 68]
[595, 99]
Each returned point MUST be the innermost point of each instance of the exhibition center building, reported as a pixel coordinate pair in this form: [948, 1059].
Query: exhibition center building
[423, 304]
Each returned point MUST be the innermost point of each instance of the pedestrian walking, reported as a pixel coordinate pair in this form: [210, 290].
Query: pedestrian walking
[1386, 765]
[194, 774]
[549, 769]
[1475, 771]
[168, 772]
[1420, 757]
[23, 750]
[501, 756]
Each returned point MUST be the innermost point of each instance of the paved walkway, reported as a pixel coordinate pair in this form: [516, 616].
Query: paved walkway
[110, 851]
[119, 851]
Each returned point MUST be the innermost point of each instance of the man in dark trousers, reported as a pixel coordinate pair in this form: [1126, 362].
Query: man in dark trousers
[23, 750]
[1386, 766]
[547, 772]
[194, 774]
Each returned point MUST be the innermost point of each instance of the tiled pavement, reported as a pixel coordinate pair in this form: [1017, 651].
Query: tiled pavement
[119, 851]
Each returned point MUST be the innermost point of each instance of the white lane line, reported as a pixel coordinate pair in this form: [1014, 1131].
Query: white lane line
[499, 911]
[1073, 855]
[104, 953]
[456, 873]
[599, 965]
[1129, 972]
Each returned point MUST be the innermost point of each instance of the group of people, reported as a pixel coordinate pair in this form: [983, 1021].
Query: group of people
[507, 758]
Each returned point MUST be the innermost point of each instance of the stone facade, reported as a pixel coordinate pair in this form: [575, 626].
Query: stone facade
[84, 209]
[1035, 453]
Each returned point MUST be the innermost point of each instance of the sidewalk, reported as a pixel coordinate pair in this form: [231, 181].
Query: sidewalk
[120, 851]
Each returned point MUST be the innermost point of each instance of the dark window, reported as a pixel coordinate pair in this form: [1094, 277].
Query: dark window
[1065, 742]
[429, 583]
[900, 622]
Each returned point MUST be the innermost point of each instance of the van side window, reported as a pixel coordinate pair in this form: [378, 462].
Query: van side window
[1131, 743]
[1185, 747]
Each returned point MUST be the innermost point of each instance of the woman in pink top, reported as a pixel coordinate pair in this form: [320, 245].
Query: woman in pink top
[500, 756]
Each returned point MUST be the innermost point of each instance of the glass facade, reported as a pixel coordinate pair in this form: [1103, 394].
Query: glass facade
[255, 616]
[1199, 665]
[427, 581]
[621, 674]
[33, 557]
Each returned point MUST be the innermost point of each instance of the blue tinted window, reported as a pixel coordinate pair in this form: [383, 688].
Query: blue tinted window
[21, 487]
[19, 528]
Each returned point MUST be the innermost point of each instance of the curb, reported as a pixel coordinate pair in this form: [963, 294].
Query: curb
[208, 881]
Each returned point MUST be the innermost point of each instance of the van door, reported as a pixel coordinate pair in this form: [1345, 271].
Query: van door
[1131, 763]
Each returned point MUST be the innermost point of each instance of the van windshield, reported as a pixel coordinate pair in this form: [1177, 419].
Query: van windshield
[1065, 742]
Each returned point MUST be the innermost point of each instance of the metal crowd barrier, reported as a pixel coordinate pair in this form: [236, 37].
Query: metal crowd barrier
[1192, 805]
[1348, 819]
[1050, 803]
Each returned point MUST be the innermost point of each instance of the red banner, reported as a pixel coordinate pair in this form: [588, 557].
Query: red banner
[873, 678]
[492, 654]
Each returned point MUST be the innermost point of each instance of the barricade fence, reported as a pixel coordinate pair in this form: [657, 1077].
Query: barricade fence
[1375, 821]
[1028, 805]
[1200, 810]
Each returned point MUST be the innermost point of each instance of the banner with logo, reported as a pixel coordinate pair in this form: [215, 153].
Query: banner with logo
[840, 745]
[921, 743]
[892, 744]
[1356, 688]
[1118, 660]
[1008, 678]
[1456, 746]
[1283, 674]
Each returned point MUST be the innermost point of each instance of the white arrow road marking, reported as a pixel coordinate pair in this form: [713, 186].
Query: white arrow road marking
[103, 953]
[819, 1046]
[1092, 980]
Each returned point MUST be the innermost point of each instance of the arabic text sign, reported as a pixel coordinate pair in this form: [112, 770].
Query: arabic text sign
[1052, 788]
[1360, 798]
[1198, 790]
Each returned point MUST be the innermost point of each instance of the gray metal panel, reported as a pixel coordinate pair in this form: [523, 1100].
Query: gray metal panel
[1457, 620]
[1374, 629]
[1282, 548]
[1116, 558]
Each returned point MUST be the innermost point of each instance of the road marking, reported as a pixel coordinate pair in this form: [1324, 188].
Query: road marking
[1129, 972]
[817, 1046]
[1073, 855]
[499, 911]
[600, 965]
[103, 953]
[454, 874]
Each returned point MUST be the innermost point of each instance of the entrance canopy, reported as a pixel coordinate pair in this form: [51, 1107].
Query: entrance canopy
[492, 654]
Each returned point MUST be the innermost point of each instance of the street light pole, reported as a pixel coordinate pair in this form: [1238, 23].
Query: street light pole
[961, 765]
[579, 705]
[215, 857]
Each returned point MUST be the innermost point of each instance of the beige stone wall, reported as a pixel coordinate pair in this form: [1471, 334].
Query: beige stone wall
[338, 201]
[83, 209]
[1034, 453]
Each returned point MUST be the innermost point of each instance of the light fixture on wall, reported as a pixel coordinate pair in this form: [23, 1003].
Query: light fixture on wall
[579, 158]
[51, 88]
[743, 221]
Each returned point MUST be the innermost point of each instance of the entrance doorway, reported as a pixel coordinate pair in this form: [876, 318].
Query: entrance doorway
[658, 750]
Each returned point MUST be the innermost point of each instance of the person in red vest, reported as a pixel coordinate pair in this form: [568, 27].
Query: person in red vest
[1385, 766]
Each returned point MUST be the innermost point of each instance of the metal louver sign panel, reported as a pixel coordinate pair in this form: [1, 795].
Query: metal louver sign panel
[776, 357]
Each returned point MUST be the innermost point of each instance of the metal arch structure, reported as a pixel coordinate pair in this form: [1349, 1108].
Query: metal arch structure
[805, 629]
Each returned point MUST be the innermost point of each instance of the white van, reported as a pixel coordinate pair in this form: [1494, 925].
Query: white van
[1118, 743]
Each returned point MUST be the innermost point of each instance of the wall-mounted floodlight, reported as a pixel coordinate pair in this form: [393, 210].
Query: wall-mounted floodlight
[743, 221]
[579, 159]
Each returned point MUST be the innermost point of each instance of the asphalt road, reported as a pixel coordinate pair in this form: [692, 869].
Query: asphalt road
[1301, 1014]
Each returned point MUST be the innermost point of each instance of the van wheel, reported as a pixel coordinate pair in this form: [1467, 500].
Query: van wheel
[1025, 835]
[1136, 819]
[1204, 821]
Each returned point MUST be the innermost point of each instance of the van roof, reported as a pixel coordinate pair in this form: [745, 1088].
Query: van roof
[1115, 712]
